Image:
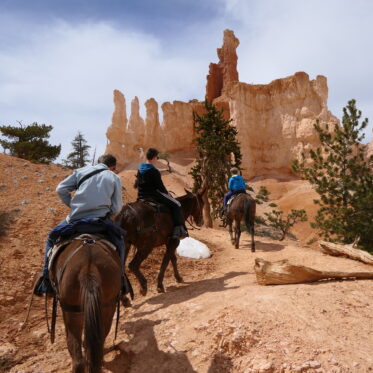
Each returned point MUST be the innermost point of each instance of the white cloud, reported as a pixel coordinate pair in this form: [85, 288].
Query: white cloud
[64, 74]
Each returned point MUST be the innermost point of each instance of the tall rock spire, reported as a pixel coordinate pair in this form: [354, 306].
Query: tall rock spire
[225, 71]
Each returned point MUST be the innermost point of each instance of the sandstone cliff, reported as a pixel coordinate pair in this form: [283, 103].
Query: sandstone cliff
[274, 121]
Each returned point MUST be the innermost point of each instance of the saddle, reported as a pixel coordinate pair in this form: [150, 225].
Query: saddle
[85, 237]
[157, 207]
[234, 197]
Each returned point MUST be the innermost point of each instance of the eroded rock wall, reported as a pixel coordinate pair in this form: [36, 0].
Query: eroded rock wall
[126, 136]
[274, 121]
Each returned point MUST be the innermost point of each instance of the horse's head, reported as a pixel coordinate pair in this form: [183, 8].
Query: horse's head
[196, 206]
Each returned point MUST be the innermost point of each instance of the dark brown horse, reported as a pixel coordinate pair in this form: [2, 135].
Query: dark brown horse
[87, 279]
[147, 229]
[242, 207]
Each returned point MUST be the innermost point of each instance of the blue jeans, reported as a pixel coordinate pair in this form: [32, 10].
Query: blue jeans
[227, 196]
[49, 244]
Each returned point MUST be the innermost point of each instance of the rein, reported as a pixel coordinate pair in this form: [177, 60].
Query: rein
[188, 219]
[190, 223]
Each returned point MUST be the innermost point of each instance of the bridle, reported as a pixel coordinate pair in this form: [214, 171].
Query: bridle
[199, 207]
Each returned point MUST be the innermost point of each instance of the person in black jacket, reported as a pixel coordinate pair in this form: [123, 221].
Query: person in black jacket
[149, 184]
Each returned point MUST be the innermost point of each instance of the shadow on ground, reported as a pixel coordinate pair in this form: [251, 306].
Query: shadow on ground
[142, 353]
[180, 294]
[261, 246]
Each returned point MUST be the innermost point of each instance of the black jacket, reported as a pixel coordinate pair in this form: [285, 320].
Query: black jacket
[149, 181]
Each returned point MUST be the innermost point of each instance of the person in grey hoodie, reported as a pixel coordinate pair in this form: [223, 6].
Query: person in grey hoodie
[98, 194]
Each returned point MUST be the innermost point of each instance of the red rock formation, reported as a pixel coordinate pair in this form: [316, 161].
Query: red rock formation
[225, 71]
[116, 132]
[274, 121]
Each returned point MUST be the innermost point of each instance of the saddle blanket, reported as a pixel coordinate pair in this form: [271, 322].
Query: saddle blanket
[60, 246]
[233, 197]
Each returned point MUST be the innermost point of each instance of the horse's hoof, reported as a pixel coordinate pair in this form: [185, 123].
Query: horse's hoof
[179, 280]
[160, 289]
[143, 292]
[253, 250]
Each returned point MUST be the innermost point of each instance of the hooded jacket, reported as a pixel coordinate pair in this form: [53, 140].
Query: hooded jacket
[236, 182]
[149, 181]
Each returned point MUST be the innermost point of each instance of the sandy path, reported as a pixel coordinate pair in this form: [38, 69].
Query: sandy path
[219, 320]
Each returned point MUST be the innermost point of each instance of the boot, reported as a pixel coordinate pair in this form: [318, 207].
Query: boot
[180, 232]
[43, 286]
[126, 286]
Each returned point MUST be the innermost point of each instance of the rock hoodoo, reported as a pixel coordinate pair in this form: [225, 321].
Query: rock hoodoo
[225, 71]
[274, 121]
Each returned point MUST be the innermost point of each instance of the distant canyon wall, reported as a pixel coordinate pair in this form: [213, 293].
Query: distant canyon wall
[274, 121]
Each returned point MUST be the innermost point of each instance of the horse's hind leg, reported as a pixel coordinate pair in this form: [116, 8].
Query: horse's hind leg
[134, 266]
[252, 238]
[237, 230]
[127, 249]
[170, 246]
[231, 230]
[74, 328]
[177, 276]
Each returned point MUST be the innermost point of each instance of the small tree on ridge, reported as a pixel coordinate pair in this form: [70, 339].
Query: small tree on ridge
[79, 156]
[342, 176]
[29, 142]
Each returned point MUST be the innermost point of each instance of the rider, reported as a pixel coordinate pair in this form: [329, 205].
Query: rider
[236, 185]
[149, 184]
[98, 194]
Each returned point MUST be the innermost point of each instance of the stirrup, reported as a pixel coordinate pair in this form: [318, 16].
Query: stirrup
[180, 232]
[43, 286]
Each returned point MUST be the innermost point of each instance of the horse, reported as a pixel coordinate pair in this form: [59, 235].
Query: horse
[147, 229]
[242, 207]
[86, 277]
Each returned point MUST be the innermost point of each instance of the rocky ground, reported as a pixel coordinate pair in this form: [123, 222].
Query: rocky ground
[219, 320]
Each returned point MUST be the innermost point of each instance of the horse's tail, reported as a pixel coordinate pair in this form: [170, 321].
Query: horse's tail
[249, 215]
[90, 285]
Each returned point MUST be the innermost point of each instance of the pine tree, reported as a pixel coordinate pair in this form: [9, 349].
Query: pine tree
[342, 176]
[79, 156]
[28, 142]
[215, 144]
[277, 220]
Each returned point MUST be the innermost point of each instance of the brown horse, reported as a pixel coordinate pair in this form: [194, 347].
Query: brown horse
[242, 207]
[87, 280]
[147, 229]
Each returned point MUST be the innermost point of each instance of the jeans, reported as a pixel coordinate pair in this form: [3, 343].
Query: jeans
[49, 244]
[227, 196]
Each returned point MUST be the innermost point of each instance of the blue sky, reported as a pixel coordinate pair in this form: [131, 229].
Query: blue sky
[61, 60]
